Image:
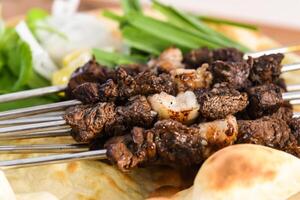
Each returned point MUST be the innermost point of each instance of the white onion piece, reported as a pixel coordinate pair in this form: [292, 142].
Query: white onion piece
[183, 108]
[190, 79]
[42, 63]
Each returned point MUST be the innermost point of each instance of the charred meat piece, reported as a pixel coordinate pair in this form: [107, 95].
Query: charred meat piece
[95, 92]
[168, 60]
[125, 86]
[171, 143]
[265, 69]
[90, 72]
[105, 119]
[234, 73]
[264, 100]
[220, 101]
[136, 112]
[284, 112]
[228, 54]
[144, 83]
[295, 128]
[88, 121]
[191, 79]
[271, 132]
[196, 57]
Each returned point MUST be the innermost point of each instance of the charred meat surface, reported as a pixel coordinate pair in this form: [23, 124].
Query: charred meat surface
[220, 101]
[95, 92]
[264, 100]
[136, 112]
[266, 69]
[271, 132]
[105, 119]
[234, 73]
[88, 121]
[295, 128]
[171, 143]
[196, 57]
[144, 83]
[284, 112]
[90, 72]
[228, 54]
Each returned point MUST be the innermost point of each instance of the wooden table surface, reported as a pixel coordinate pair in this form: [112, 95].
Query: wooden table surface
[12, 8]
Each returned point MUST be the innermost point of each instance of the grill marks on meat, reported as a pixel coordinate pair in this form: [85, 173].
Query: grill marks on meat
[105, 119]
[264, 100]
[234, 73]
[266, 69]
[220, 101]
[171, 142]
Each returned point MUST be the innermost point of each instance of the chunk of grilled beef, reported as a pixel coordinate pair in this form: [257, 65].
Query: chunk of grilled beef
[95, 92]
[136, 112]
[171, 143]
[294, 124]
[105, 119]
[220, 101]
[89, 121]
[284, 112]
[271, 132]
[90, 72]
[196, 57]
[264, 100]
[144, 83]
[265, 69]
[234, 73]
[228, 54]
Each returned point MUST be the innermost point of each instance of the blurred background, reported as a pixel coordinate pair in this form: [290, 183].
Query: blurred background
[276, 18]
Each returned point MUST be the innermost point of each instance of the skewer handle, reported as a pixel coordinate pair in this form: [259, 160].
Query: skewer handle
[52, 159]
[31, 93]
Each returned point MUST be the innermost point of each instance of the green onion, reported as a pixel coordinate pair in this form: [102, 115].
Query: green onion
[112, 59]
[113, 16]
[131, 6]
[227, 22]
[167, 32]
[141, 40]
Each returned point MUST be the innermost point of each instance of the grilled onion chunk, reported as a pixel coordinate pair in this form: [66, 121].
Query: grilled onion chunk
[183, 108]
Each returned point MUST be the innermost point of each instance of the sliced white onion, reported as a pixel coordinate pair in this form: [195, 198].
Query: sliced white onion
[183, 108]
[64, 7]
[42, 63]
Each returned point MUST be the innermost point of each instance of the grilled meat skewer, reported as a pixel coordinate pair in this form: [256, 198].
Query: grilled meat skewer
[170, 142]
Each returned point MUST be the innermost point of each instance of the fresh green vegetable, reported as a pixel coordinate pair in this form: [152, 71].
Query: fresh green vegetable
[113, 16]
[131, 6]
[227, 22]
[112, 59]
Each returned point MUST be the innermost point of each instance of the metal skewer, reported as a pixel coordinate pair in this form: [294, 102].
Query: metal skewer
[40, 148]
[272, 51]
[31, 93]
[52, 159]
[37, 109]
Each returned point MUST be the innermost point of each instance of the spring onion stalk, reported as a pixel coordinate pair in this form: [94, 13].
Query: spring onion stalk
[168, 32]
[130, 6]
[112, 59]
[227, 22]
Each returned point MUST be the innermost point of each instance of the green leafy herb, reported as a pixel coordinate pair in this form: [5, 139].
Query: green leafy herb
[131, 6]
